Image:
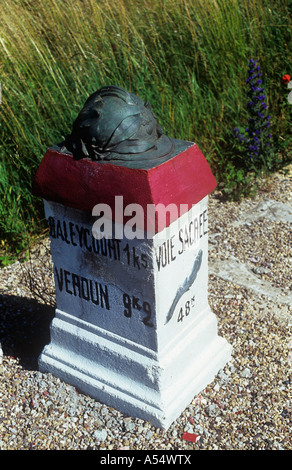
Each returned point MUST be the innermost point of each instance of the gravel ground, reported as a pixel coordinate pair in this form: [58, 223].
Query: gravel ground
[246, 407]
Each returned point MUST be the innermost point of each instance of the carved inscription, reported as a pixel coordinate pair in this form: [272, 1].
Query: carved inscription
[97, 293]
[186, 309]
[78, 236]
[134, 303]
[79, 286]
[186, 238]
[89, 289]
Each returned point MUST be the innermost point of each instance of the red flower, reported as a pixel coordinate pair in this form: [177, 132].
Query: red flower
[286, 78]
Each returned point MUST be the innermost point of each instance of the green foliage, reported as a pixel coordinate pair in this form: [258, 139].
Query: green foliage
[186, 57]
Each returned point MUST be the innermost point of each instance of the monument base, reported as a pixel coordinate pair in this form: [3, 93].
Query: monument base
[132, 378]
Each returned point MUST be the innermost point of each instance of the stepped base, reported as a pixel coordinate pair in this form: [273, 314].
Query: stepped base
[129, 377]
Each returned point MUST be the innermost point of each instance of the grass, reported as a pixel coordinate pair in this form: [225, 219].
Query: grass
[188, 58]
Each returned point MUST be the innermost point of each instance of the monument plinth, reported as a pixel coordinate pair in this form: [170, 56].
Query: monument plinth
[127, 209]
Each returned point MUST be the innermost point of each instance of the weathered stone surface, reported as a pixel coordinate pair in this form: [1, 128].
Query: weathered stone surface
[269, 209]
[233, 270]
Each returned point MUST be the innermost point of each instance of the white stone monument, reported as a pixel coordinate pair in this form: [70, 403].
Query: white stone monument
[133, 327]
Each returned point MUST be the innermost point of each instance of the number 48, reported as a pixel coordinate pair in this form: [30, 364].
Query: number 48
[185, 311]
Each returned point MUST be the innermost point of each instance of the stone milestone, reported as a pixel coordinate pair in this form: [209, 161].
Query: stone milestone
[127, 209]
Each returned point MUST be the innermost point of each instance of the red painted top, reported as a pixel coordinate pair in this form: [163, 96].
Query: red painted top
[81, 184]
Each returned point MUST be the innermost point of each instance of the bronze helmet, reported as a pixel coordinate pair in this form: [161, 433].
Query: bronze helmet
[116, 125]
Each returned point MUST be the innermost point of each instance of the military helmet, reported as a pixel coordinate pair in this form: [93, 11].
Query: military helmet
[116, 125]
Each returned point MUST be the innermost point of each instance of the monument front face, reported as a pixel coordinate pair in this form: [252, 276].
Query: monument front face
[107, 282]
[133, 327]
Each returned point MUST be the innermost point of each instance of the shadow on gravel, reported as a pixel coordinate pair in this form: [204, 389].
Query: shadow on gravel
[24, 328]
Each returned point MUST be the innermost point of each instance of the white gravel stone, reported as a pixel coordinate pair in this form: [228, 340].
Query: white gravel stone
[100, 435]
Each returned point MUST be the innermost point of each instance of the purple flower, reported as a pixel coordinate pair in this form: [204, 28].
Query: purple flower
[255, 134]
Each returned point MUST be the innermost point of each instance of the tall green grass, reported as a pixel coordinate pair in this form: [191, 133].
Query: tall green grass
[188, 58]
